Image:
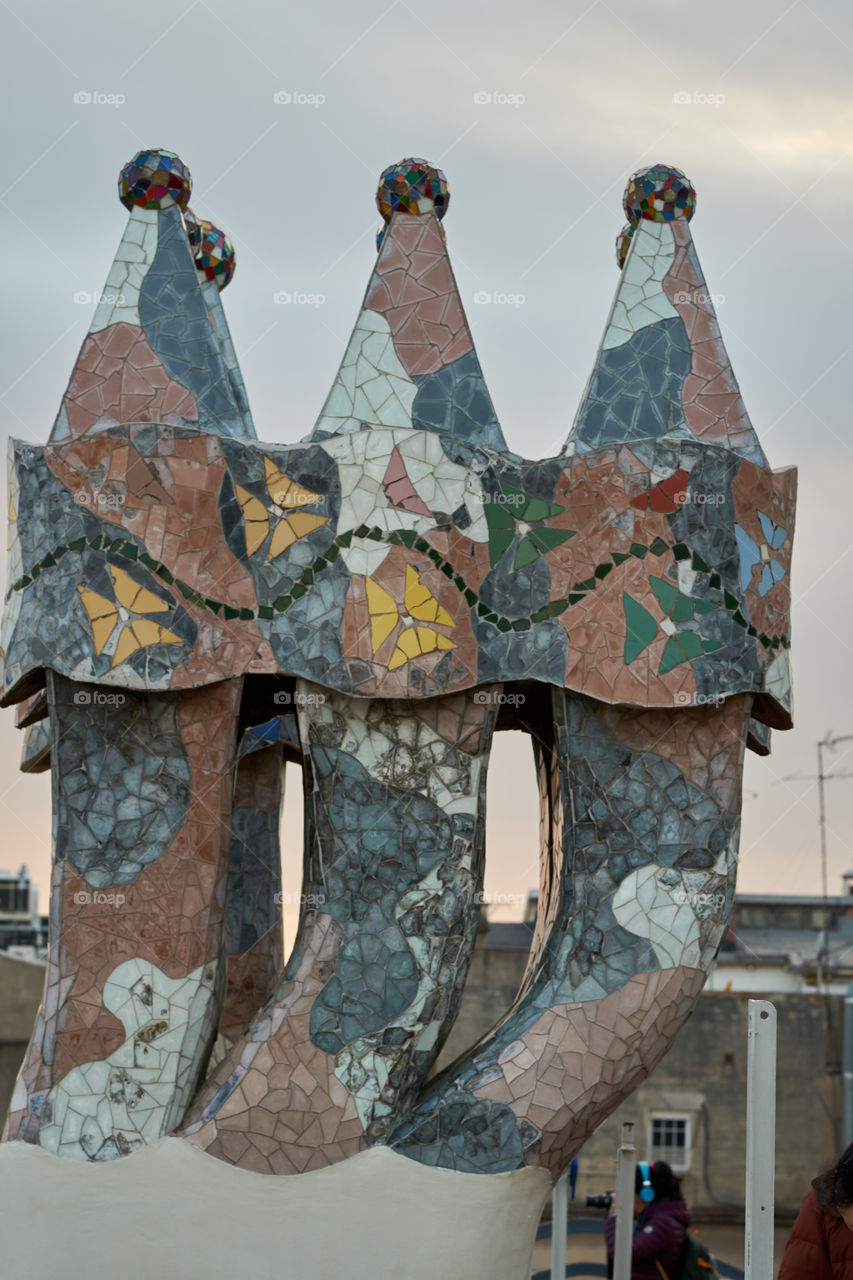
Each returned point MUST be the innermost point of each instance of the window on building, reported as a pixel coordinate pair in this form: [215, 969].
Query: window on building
[669, 1140]
[14, 897]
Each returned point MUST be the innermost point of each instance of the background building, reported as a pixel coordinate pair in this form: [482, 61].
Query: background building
[23, 932]
[21, 983]
[795, 951]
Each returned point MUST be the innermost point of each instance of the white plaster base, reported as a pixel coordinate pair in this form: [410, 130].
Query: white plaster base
[172, 1211]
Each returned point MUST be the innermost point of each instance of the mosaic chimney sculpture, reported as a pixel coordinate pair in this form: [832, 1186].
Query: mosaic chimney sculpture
[193, 607]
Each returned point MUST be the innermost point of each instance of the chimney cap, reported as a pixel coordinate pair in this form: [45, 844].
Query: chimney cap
[659, 193]
[155, 179]
[412, 186]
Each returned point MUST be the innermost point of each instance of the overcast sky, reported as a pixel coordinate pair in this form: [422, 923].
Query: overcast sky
[752, 100]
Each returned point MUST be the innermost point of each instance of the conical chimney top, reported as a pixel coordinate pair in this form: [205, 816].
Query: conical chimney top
[410, 362]
[662, 371]
[154, 351]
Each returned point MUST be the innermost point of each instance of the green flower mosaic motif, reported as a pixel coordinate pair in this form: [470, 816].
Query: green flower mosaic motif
[515, 513]
[641, 627]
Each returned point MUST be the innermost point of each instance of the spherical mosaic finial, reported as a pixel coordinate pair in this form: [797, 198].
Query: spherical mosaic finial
[155, 180]
[659, 193]
[623, 243]
[212, 250]
[414, 186]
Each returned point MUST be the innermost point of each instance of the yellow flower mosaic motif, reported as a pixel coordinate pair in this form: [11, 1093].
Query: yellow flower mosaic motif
[421, 605]
[285, 494]
[135, 633]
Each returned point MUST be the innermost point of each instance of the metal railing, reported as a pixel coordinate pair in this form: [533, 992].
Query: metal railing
[759, 1189]
[595, 1227]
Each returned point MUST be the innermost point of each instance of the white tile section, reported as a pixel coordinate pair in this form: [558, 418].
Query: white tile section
[778, 679]
[442, 485]
[681, 913]
[140, 1091]
[372, 386]
[640, 299]
[120, 298]
[15, 563]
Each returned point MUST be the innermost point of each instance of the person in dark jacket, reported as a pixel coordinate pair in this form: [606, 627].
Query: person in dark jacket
[661, 1218]
[820, 1246]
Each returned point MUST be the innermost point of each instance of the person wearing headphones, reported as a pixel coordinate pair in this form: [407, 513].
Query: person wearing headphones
[661, 1218]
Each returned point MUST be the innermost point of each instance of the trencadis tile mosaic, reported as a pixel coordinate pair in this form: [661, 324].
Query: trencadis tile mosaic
[202, 607]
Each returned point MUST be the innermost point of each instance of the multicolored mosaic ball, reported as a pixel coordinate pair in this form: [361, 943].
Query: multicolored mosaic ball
[212, 250]
[659, 193]
[623, 242]
[414, 186]
[155, 180]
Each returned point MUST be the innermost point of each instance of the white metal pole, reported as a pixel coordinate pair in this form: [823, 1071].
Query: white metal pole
[760, 1140]
[559, 1214]
[821, 806]
[624, 1205]
[847, 1072]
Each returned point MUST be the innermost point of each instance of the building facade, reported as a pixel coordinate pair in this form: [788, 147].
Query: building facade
[23, 932]
[796, 952]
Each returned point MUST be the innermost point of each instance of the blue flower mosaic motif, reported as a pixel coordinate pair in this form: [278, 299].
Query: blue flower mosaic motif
[753, 553]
